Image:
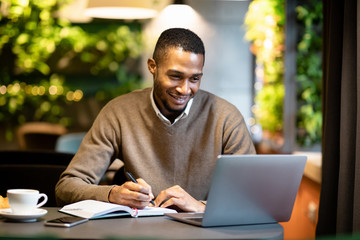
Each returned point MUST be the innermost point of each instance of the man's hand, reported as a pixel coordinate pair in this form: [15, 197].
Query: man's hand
[135, 195]
[176, 196]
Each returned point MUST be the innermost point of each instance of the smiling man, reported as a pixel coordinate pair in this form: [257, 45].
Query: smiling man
[176, 80]
[168, 136]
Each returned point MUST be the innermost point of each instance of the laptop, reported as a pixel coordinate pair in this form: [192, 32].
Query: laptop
[250, 189]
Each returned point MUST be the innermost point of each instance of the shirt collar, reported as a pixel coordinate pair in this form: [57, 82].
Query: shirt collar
[183, 115]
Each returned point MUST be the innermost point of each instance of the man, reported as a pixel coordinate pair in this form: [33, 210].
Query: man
[168, 136]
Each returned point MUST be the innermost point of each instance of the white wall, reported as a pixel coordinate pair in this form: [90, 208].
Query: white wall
[228, 61]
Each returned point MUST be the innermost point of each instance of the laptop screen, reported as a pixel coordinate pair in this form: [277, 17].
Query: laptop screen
[251, 189]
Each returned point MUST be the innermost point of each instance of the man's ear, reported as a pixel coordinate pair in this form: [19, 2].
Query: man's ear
[151, 65]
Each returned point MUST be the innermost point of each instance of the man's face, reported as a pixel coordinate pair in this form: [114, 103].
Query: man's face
[176, 80]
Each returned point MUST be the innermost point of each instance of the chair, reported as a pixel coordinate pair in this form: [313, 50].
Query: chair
[69, 142]
[34, 170]
[39, 135]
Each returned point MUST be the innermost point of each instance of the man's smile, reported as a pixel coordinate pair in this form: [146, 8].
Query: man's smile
[180, 99]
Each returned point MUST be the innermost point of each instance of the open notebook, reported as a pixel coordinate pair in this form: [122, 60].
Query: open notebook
[250, 189]
[93, 209]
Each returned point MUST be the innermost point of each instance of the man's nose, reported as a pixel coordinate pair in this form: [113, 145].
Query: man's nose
[184, 88]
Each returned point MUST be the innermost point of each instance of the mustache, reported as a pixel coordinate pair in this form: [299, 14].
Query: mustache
[176, 94]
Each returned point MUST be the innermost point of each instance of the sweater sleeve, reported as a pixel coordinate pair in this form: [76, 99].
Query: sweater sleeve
[236, 136]
[98, 149]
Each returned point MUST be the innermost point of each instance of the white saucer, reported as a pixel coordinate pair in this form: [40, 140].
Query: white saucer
[31, 217]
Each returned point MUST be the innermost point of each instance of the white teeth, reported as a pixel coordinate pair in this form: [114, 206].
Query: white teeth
[179, 98]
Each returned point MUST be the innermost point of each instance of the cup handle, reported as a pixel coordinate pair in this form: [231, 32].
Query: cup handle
[43, 201]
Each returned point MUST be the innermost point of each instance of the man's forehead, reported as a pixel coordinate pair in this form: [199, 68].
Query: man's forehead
[174, 49]
[178, 52]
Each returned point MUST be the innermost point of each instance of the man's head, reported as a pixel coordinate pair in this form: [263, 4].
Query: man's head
[177, 38]
[176, 67]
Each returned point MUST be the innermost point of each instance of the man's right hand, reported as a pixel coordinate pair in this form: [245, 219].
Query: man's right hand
[135, 195]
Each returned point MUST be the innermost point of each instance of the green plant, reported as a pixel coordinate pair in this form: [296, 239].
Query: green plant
[21, 102]
[309, 73]
[39, 50]
[265, 29]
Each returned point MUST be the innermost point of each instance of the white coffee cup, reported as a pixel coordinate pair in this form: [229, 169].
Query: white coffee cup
[25, 201]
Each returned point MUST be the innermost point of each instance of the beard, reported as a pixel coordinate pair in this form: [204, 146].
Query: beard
[161, 96]
[172, 110]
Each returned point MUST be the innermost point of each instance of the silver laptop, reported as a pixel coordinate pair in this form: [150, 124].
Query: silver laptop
[250, 189]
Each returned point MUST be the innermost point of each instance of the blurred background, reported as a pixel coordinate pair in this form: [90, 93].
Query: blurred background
[62, 60]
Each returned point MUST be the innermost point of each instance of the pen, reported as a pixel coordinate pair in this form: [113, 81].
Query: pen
[134, 181]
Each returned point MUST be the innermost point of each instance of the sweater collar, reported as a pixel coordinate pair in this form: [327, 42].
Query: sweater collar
[183, 115]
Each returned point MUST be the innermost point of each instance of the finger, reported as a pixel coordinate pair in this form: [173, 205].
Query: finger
[124, 196]
[175, 191]
[187, 205]
[172, 192]
[133, 186]
[134, 191]
[146, 187]
[160, 199]
[173, 202]
[135, 204]
[141, 186]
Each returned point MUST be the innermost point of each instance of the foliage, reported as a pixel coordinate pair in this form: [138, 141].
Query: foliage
[265, 29]
[40, 50]
[269, 98]
[309, 72]
[29, 31]
[126, 82]
[23, 102]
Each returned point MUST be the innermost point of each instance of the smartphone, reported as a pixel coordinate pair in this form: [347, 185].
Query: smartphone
[66, 221]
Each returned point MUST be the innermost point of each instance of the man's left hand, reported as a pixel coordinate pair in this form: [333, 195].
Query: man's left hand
[176, 196]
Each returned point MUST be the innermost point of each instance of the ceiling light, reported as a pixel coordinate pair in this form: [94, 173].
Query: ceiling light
[120, 9]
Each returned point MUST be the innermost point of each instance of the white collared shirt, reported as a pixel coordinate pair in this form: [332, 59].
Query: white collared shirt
[184, 114]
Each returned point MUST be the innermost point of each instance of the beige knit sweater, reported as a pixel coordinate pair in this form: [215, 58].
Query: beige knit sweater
[184, 153]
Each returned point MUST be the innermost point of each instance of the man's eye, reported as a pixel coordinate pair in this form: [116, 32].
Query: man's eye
[175, 76]
[195, 79]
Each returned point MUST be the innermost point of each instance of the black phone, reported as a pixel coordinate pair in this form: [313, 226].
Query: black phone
[66, 221]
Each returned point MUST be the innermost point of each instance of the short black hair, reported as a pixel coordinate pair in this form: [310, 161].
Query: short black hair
[178, 38]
